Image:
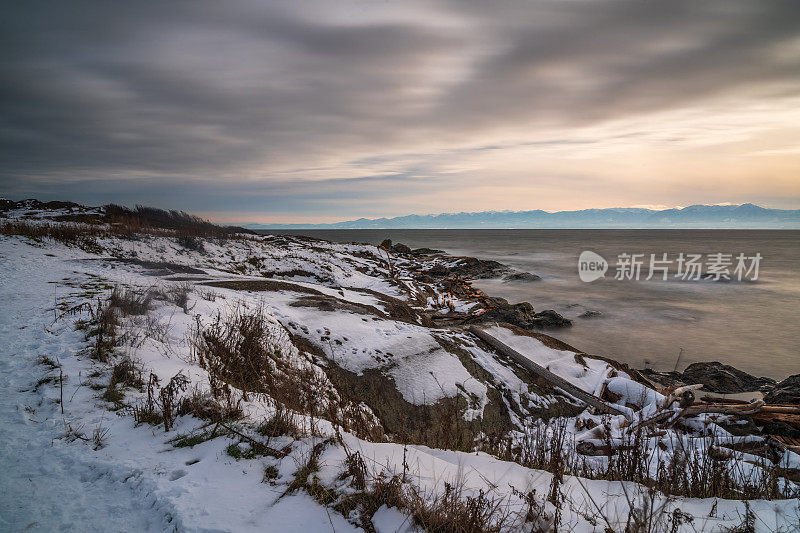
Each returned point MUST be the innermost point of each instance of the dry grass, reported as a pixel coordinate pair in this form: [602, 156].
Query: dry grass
[239, 349]
[188, 228]
[102, 331]
[81, 235]
[688, 472]
[456, 510]
[118, 221]
[130, 301]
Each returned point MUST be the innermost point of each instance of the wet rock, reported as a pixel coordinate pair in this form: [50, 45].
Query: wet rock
[524, 316]
[520, 276]
[401, 248]
[715, 377]
[426, 251]
[495, 301]
[665, 379]
[787, 391]
[590, 314]
[720, 378]
[438, 271]
[472, 267]
[387, 243]
[550, 319]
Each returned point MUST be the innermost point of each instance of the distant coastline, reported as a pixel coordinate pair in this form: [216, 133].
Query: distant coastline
[744, 216]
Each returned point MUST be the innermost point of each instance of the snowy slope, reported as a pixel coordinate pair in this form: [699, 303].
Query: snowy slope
[140, 479]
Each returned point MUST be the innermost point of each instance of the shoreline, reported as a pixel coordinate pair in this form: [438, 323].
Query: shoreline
[719, 378]
[263, 352]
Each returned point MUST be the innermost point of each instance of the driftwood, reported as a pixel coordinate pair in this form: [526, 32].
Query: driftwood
[787, 442]
[767, 417]
[781, 409]
[738, 409]
[768, 408]
[768, 449]
[587, 447]
[697, 409]
[662, 416]
[788, 414]
[539, 370]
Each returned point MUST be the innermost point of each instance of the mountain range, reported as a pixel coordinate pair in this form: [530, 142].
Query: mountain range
[744, 216]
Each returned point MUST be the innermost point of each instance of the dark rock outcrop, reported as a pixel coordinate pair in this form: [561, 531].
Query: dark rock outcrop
[521, 276]
[426, 251]
[401, 248]
[787, 391]
[472, 267]
[32, 203]
[522, 315]
[437, 271]
[715, 377]
[720, 378]
[590, 314]
[666, 379]
[398, 248]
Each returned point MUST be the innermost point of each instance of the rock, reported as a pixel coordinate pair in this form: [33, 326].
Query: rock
[387, 243]
[426, 251]
[666, 379]
[400, 248]
[787, 391]
[550, 319]
[495, 301]
[438, 271]
[715, 377]
[522, 315]
[521, 276]
[724, 379]
[471, 267]
[590, 314]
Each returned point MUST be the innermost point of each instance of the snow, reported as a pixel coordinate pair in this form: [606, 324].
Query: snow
[49, 484]
[560, 362]
[138, 480]
[391, 520]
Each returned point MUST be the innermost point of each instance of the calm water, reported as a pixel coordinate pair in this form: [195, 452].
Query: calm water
[754, 326]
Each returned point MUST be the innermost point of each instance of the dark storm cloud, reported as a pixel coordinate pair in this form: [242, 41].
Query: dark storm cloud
[629, 57]
[198, 104]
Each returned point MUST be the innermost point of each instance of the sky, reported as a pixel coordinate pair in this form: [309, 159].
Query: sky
[320, 111]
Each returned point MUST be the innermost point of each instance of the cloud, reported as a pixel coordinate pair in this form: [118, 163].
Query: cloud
[329, 108]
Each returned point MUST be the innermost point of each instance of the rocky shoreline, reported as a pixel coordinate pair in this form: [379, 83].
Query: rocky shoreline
[455, 274]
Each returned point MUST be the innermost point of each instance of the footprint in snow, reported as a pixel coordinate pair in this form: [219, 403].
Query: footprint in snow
[177, 474]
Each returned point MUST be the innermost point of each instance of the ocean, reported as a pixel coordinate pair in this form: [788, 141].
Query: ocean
[752, 324]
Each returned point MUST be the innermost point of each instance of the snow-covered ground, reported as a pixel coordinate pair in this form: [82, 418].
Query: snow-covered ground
[336, 307]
